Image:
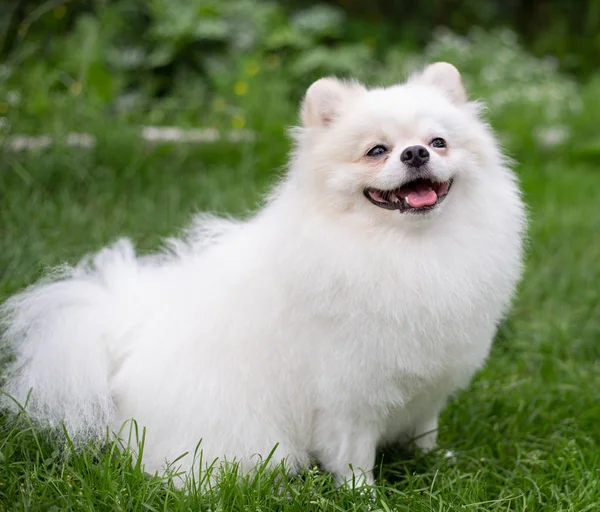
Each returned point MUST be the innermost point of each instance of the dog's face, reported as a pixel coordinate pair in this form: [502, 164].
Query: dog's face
[396, 153]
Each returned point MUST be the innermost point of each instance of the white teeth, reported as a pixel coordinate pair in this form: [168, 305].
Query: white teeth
[395, 199]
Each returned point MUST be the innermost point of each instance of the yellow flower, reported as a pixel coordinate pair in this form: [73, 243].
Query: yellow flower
[273, 61]
[219, 104]
[371, 42]
[240, 88]
[75, 88]
[238, 122]
[3, 107]
[59, 12]
[252, 68]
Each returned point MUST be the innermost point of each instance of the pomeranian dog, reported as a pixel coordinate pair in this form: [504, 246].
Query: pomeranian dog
[338, 318]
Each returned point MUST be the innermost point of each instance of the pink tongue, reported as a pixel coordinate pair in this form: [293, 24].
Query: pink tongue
[422, 195]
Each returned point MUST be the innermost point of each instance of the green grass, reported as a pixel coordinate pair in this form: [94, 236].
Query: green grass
[525, 435]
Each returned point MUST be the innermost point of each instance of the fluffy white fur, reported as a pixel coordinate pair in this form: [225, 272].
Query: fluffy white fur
[323, 324]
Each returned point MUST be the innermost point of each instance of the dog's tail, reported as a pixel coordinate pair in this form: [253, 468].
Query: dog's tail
[57, 332]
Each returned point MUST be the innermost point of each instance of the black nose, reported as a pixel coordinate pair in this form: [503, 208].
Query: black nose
[415, 156]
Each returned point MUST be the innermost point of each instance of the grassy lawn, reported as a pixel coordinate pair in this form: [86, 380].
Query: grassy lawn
[525, 436]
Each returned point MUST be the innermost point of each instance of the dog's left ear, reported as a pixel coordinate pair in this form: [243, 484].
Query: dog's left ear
[326, 99]
[445, 77]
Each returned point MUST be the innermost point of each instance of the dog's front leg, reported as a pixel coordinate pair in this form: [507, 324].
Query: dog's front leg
[346, 448]
[425, 433]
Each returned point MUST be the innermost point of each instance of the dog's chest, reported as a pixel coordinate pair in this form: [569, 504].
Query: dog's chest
[394, 335]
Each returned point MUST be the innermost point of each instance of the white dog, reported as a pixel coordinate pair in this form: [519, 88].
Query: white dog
[338, 318]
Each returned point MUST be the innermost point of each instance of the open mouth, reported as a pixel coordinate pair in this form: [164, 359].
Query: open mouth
[417, 196]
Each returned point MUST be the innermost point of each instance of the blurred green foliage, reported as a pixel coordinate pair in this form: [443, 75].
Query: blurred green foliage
[151, 44]
[220, 62]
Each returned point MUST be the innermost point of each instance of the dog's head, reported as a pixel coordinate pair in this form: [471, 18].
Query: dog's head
[395, 154]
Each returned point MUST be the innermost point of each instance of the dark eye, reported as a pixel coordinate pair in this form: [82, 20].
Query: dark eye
[377, 151]
[438, 142]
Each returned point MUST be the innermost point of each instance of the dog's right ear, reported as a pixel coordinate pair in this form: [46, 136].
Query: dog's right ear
[325, 99]
[445, 77]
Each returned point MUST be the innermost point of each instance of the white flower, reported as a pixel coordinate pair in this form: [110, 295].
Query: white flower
[552, 136]
[82, 140]
[24, 142]
[13, 98]
[175, 134]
